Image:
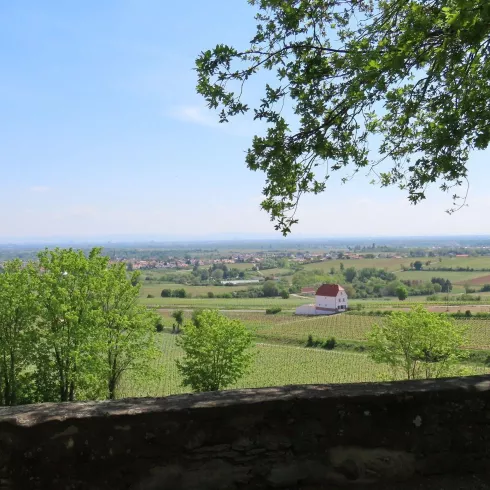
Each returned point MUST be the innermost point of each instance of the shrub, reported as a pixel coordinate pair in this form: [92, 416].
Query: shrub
[150, 296]
[180, 293]
[273, 311]
[210, 294]
[467, 313]
[433, 297]
[330, 343]
[309, 342]
[166, 293]
[284, 294]
[485, 288]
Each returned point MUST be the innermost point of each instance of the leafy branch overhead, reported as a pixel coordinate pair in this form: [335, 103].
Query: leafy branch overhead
[400, 82]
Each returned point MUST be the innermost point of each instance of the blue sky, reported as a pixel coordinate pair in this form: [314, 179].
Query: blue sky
[102, 134]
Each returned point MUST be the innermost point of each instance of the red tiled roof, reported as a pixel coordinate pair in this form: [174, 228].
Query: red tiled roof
[308, 290]
[329, 290]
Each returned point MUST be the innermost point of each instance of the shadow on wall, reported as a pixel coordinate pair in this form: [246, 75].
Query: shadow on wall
[283, 437]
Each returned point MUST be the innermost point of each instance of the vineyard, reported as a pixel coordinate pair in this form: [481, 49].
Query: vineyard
[282, 358]
[275, 365]
[292, 329]
[288, 328]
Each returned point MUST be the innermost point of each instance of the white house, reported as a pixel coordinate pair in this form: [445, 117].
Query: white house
[329, 299]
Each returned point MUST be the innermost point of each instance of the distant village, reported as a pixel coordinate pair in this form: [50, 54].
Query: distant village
[255, 259]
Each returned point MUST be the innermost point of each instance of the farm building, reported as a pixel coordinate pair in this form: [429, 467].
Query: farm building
[308, 291]
[329, 299]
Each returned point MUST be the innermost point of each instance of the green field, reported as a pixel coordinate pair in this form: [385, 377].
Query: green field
[277, 364]
[471, 262]
[225, 304]
[426, 276]
[288, 328]
[156, 288]
[274, 365]
[393, 265]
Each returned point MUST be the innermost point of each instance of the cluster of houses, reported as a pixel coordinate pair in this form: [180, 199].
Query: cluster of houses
[329, 299]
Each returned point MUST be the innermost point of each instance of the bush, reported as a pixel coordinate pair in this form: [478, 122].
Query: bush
[485, 288]
[166, 293]
[273, 311]
[309, 342]
[284, 294]
[179, 293]
[270, 289]
[433, 297]
[467, 313]
[150, 296]
[159, 323]
[469, 297]
[330, 343]
[210, 294]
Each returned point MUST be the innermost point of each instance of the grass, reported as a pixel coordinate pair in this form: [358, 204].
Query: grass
[156, 289]
[388, 264]
[276, 272]
[426, 276]
[224, 304]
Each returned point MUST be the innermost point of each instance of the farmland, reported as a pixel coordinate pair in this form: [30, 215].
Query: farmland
[282, 359]
[154, 280]
[304, 366]
[225, 304]
[156, 289]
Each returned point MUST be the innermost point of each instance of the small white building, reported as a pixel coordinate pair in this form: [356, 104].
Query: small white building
[329, 299]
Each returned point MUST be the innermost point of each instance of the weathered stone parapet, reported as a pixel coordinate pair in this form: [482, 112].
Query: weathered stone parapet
[283, 437]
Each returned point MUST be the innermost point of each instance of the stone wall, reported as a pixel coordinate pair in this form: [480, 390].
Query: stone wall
[286, 437]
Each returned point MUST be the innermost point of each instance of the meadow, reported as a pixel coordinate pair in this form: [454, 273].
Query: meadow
[459, 277]
[226, 304]
[155, 289]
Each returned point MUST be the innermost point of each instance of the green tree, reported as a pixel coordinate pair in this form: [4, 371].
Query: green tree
[135, 278]
[68, 349]
[401, 293]
[284, 294]
[196, 316]
[368, 82]
[350, 274]
[216, 353]
[417, 344]
[178, 316]
[270, 289]
[417, 265]
[18, 315]
[128, 329]
[341, 266]
[217, 274]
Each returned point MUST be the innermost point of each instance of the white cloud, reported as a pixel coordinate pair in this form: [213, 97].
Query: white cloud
[39, 188]
[194, 114]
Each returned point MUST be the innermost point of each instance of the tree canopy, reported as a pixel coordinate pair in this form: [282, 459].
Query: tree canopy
[396, 89]
[418, 344]
[217, 351]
